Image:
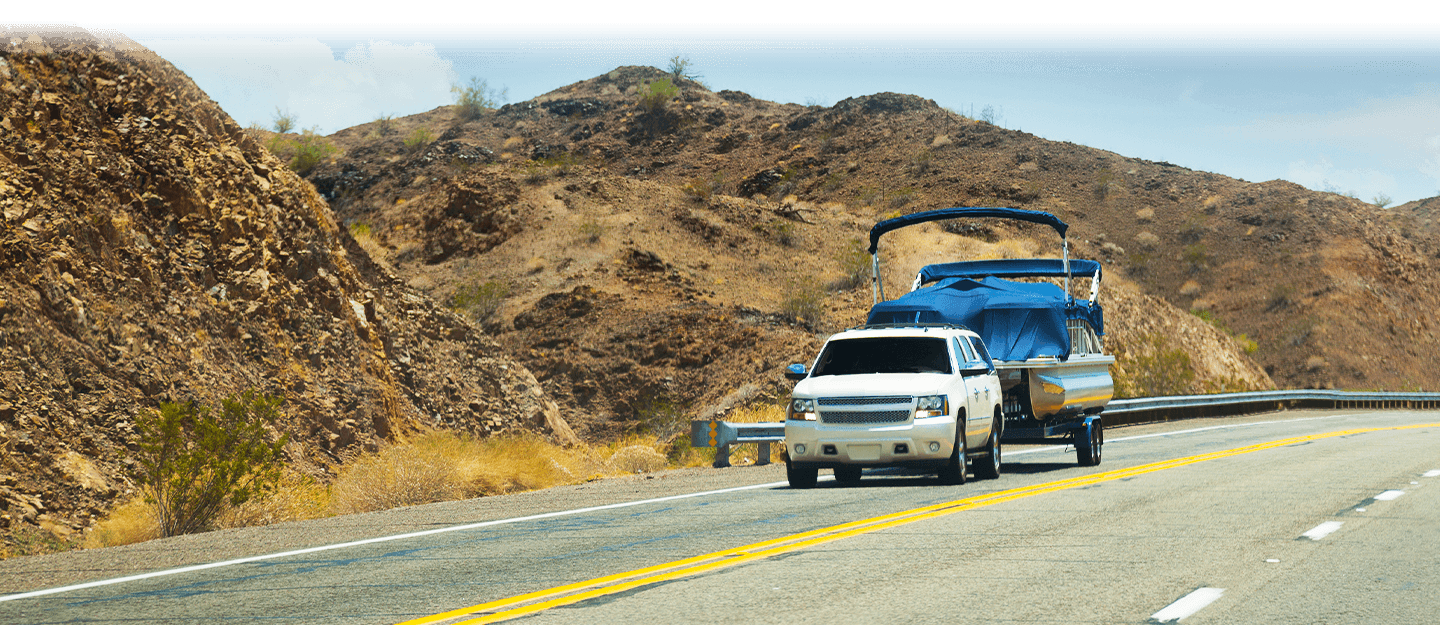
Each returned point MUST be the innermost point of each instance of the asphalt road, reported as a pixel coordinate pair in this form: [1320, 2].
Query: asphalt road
[1211, 525]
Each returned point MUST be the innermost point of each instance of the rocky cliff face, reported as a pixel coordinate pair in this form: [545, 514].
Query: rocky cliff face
[150, 250]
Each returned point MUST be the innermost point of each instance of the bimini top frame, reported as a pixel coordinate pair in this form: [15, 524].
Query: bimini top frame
[964, 212]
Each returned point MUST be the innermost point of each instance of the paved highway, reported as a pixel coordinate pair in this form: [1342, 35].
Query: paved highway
[1298, 517]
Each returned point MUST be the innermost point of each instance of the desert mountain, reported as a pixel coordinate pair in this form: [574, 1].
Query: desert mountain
[151, 250]
[677, 254]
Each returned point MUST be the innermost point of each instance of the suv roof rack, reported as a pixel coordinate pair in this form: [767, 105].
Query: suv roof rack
[879, 326]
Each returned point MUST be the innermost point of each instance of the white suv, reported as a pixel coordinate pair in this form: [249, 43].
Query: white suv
[923, 397]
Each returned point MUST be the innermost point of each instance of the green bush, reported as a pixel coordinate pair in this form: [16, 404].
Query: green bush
[302, 153]
[475, 99]
[480, 301]
[418, 139]
[654, 96]
[195, 463]
[591, 231]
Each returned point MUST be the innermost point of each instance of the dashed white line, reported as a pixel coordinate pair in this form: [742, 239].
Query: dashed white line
[1322, 530]
[1187, 605]
[1432, 473]
[1389, 495]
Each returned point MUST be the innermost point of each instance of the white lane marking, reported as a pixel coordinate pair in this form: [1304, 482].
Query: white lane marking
[1187, 605]
[381, 539]
[1389, 495]
[1359, 509]
[1432, 473]
[1322, 530]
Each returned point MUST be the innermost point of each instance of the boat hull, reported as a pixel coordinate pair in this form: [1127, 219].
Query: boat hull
[1081, 384]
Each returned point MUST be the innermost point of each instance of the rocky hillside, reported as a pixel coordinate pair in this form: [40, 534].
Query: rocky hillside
[676, 257]
[150, 251]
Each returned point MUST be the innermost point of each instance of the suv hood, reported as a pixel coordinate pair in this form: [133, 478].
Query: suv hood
[872, 384]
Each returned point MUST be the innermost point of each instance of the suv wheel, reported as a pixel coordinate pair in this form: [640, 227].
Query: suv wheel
[954, 471]
[987, 465]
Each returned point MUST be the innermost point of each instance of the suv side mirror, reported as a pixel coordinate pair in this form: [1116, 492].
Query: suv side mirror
[796, 372]
[976, 369]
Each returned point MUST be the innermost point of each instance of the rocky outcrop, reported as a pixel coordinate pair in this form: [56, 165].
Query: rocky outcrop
[151, 250]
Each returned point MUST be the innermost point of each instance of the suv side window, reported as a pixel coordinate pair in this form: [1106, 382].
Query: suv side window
[980, 349]
[963, 351]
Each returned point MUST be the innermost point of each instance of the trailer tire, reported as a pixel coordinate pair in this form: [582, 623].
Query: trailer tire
[1089, 454]
[801, 477]
[847, 475]
[987, 465]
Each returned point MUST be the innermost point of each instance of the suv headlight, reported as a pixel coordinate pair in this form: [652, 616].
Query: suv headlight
[801, 410]
[931, 406]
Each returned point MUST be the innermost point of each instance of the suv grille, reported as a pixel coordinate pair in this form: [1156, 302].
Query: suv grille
[858, 417]
[864, 401]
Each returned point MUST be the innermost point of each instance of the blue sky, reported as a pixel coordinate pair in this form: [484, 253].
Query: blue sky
[1340, 97]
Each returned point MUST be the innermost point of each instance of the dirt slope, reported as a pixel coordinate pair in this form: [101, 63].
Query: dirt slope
[657, 260]
[151, 251]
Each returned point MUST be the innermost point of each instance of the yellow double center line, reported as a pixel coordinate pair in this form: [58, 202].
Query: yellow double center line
[521, 605]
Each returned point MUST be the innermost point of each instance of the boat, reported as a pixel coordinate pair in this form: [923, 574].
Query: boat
[1046, 344]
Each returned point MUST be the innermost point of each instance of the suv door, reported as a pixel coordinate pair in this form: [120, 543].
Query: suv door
[977, 392]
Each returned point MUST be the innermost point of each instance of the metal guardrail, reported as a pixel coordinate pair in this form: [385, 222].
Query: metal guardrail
[722, 435]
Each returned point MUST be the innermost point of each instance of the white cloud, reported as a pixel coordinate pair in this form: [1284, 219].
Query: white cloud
[253, 76]
[1322, 175]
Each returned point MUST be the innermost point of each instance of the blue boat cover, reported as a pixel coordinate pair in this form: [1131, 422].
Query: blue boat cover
[1017, 320]
[1011, 268]
[964, 212]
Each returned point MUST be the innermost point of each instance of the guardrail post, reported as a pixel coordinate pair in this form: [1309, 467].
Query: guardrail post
[722, 456]
[764, 456]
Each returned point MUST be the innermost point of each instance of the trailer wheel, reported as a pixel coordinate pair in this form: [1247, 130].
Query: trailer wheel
[847, 475]
[801, 477]
[1089, 453]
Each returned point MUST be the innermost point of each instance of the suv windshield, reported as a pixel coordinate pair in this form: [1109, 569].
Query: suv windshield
[884, 355]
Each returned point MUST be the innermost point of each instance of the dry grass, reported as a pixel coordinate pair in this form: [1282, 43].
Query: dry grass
[130, 522]
[436, 466]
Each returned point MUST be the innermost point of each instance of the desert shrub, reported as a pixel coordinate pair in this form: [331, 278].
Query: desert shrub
[304, 152]
[1155, 369]
[922, 162]
[478, 97]
[282, 121]
[1147, 239]
[194, 462]
[1249, 346]
[296, 497]
[1104, 183]
[779, 230]
[591, 231]
[681, 67]
[655, 95]
[418, 139]
[481, 300]
[1196, 255]
[855, 265]
[901, 197]
[803, 303]
[359, 229]
[701, 188]
[1381, 200]
[659, 415]
[385, 125]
